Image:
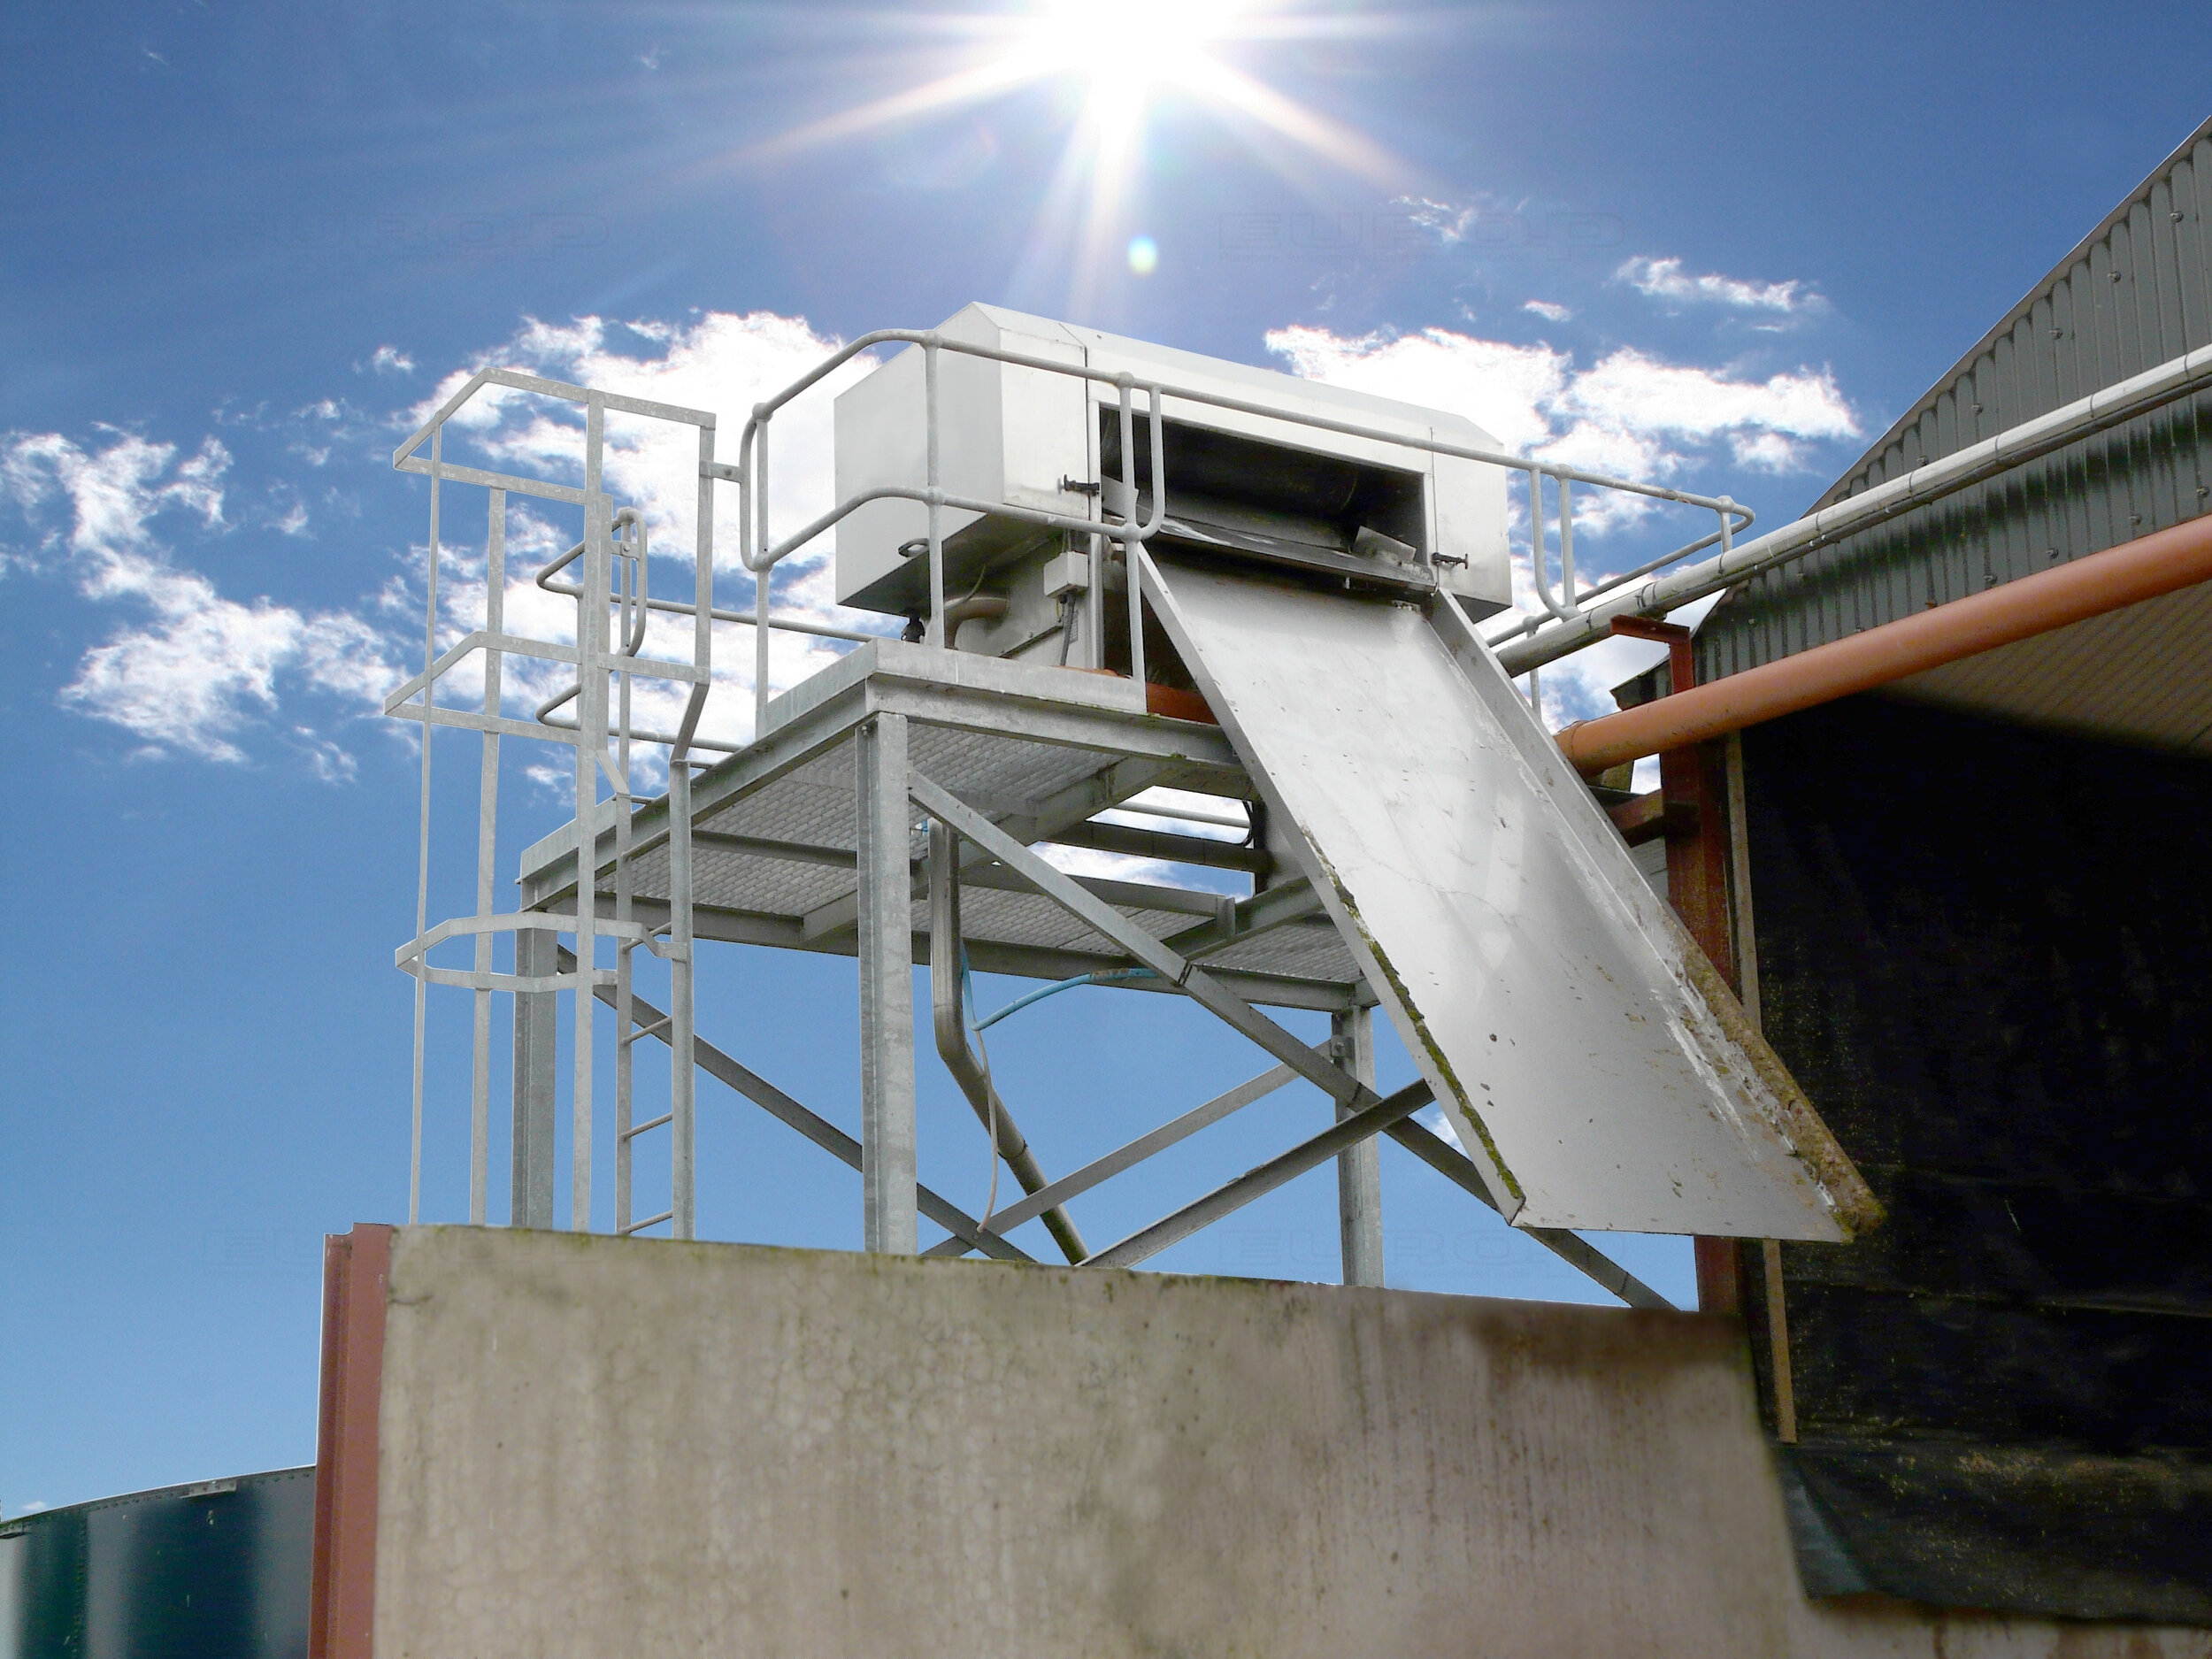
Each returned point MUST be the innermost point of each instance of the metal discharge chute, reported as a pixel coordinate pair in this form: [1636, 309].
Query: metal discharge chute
[1544, 990]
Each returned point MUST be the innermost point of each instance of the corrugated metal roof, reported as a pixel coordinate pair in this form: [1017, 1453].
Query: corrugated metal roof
[2136, 293]
[2141, 675]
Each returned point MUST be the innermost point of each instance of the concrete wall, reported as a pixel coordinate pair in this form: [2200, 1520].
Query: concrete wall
[591, 1447]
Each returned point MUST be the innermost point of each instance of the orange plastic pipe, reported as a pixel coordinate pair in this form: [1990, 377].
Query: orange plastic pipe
[2161, 562]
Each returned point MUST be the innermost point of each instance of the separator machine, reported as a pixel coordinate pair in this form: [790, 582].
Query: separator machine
[1120, 569]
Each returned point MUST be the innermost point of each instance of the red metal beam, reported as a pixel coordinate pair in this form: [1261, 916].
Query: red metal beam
[341, 1605]
[1697, 886]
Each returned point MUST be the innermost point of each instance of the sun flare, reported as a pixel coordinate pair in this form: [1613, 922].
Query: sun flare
[1129, 58]
[1128, 48]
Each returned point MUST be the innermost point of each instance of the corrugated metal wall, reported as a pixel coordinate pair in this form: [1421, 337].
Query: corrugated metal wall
[2137, 293]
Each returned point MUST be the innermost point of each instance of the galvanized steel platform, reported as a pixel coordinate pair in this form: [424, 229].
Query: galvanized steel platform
[1041, 750]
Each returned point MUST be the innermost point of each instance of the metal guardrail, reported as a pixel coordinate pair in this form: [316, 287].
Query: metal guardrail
[2085, 417]
[760, 553]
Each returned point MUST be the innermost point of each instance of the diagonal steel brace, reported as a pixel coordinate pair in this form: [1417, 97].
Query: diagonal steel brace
[1194, 981]
[816, 1128]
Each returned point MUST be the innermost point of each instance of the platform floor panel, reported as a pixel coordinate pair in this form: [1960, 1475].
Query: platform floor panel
[777, 849]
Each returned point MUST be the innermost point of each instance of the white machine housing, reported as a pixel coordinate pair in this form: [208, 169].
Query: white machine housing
[1254, 486]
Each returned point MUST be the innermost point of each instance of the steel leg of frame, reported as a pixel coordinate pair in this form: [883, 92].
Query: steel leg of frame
[1358, 1168]
[682, 1078]
[537, 1014]
[486, 849]
[887, 989]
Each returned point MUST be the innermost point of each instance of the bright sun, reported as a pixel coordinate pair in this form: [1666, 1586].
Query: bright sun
[1126, 53]
[1128, 48]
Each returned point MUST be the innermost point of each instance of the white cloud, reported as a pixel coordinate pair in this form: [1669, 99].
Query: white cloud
[1507, 390]
[201, 667]
[389, 360]
[1629, 391]
[1548, 310]
[331, 764]
[1665, 280]
[1629, 414]
[1447, 222]
[722, 362]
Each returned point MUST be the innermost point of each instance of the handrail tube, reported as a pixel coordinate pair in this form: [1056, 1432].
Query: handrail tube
[638, 582]
[1119, 532]
[935, 498]
[641, 736]
[1567, 544]
[1645, 569]
[2145, 568]
[508, 481]
[563, 390]
[1536, 555]
[933, 478]
[554, 702]
[480, 639]
[793, 625]
[1428, 444]
[2030, 440]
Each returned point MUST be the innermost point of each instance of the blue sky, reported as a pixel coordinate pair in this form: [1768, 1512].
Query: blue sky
[1723, 245]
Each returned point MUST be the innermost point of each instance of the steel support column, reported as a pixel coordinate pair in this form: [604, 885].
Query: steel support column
[1358, 1168]
[530, 1201]
[886, 988]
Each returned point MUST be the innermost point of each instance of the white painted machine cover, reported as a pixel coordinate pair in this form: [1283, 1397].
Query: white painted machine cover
[1595, 1066]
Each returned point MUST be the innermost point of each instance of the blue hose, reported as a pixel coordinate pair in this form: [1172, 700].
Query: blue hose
[1042, 992]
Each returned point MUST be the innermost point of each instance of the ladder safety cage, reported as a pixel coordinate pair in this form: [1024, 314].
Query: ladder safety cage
[612, 606]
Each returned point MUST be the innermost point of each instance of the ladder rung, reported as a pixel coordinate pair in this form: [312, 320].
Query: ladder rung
[657, 1026]
[650, 1122]
[649, 1221]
